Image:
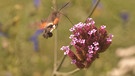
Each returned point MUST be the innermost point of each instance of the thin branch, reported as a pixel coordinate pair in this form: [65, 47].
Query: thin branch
[55, 71]
[59, 66]
[55, 49]
[93, 8]
[68, 73]
[72, 72]
[55, 41]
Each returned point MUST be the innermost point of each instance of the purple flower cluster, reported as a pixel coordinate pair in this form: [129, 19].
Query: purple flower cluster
[88, 41]
[37, 3]
[34, 39]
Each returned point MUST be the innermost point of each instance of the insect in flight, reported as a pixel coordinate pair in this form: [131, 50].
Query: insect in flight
[51, 22]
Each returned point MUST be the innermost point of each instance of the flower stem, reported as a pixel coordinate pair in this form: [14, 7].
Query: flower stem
[55, 50]
[68, 73]
[93, 8]
[55, 42]
[59, 66]
[72, 72]
[55, 72]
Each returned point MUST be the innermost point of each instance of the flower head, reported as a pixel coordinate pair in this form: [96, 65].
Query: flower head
[88, 41]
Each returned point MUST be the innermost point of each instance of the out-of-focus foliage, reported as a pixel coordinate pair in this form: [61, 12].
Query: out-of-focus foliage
[19, 20]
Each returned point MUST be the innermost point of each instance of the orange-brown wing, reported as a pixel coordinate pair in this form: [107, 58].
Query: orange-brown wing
[53, 19]
[43, 25]
[56, 20]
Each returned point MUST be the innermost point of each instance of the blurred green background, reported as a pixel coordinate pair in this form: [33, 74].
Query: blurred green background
[20, 18]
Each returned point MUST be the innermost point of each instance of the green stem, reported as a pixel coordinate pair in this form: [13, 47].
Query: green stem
[93, 8]
[68, 73]
[55, 50]
[55, 42]
[72, 72]
[59, 66]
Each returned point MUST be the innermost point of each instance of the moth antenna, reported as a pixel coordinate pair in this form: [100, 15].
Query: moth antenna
[67, 18]
[64, 6]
